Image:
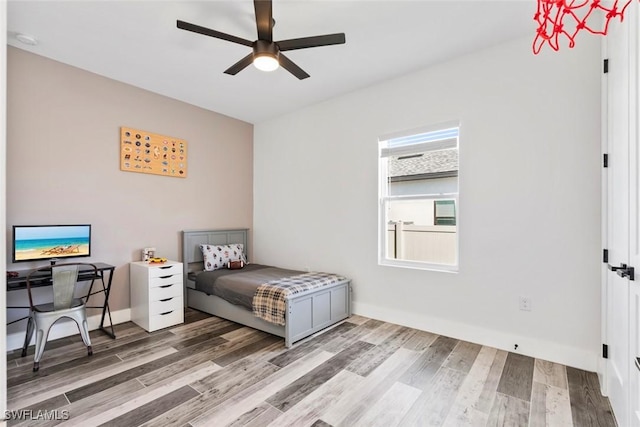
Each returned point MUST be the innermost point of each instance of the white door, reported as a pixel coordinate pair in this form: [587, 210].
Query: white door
[634, 198]
[622, 222]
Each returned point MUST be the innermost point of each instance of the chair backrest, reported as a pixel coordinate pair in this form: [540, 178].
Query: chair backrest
[64, 278]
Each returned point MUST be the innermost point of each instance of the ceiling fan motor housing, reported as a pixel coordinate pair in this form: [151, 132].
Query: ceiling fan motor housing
[265, 48]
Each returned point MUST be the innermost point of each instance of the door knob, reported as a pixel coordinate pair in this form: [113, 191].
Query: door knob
[623, 271]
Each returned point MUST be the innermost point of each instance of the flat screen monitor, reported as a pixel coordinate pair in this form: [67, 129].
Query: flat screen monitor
[38, 242]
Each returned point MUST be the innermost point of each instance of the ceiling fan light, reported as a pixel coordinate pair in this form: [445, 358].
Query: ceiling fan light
[266, 63]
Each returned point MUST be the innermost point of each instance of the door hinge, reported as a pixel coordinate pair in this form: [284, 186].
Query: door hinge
[605, 351]
[605, 255]
[605, 66]
[605, 160]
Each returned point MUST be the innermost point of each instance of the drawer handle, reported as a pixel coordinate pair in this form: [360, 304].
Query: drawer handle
[164, 286]
[166, 277]
[166, 299]
[165, 267]
[168, 312]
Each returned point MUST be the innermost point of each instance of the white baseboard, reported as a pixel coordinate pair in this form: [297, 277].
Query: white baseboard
[67, 327]
[546, 350]
[540, 349]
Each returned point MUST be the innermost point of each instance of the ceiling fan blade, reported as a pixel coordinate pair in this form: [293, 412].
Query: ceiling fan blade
[264, 19]
[240, 65]
[314, 41]
[291, 67]
[212, 33]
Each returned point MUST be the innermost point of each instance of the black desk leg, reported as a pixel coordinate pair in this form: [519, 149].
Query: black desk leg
[105, 308]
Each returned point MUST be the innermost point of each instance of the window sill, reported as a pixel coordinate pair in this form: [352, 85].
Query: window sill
[416, 265]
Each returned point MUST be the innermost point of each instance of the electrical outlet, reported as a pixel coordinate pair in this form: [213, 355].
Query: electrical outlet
[525, 303]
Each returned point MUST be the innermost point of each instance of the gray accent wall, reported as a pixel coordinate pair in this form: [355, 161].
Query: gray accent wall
[63, 142]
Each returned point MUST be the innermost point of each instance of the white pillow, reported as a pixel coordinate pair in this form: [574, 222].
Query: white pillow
[218, 256]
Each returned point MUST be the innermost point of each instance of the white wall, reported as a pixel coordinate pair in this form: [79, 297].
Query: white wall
[3, 182]
[529, 198]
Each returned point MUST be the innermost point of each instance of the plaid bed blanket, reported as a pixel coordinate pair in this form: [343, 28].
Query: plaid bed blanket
[269, 301]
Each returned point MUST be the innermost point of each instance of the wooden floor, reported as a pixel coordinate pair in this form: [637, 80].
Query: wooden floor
[211, 372]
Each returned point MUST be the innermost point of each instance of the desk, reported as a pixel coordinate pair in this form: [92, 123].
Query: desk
[20, 282]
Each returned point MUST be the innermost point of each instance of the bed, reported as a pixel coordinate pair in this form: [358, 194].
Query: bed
[305, 313]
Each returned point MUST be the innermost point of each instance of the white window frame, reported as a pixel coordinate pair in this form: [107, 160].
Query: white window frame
[384, 198]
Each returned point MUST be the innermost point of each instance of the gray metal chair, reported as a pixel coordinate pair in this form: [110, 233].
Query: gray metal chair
[64, 278]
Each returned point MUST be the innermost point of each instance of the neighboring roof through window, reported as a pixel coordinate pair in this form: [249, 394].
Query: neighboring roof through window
[434, 164]
[422, 155]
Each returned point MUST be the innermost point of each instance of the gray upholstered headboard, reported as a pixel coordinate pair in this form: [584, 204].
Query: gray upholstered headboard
[191, 239]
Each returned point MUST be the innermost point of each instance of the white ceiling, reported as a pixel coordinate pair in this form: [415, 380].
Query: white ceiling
[137, 42]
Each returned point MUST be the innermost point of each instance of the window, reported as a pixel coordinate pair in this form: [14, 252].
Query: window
[444, 212]
[419, 197]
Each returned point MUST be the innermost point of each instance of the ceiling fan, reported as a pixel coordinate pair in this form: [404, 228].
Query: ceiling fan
[266, 54]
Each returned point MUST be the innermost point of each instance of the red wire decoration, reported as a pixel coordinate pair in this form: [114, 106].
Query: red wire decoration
[569, 17]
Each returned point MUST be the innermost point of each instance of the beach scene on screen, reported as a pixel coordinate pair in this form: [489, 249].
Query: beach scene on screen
[51, 242]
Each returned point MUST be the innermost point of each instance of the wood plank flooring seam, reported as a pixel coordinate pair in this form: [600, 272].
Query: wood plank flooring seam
[125, 403]
[152, 409]
[259, 416]
[378, 354]
[77, 409]
[550, 405]
[509, 411]
[392, 406]
[298, 351]
[73, 366]
[352, 406]
[258, 393]
[467, 406]
[463, 356]
[300, 388]
[79, 351]
[216, 389]
[517, 376]
[488, 394]
[189, 357]
[311, 407]
[66, 384]
[423, 370]
[550, 373]
[434, 404]
[124, 375]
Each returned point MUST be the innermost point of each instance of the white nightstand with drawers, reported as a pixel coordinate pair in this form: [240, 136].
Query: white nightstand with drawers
[156, 294]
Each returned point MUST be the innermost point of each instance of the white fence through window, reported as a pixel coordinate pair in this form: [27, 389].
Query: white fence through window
[432, 244]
